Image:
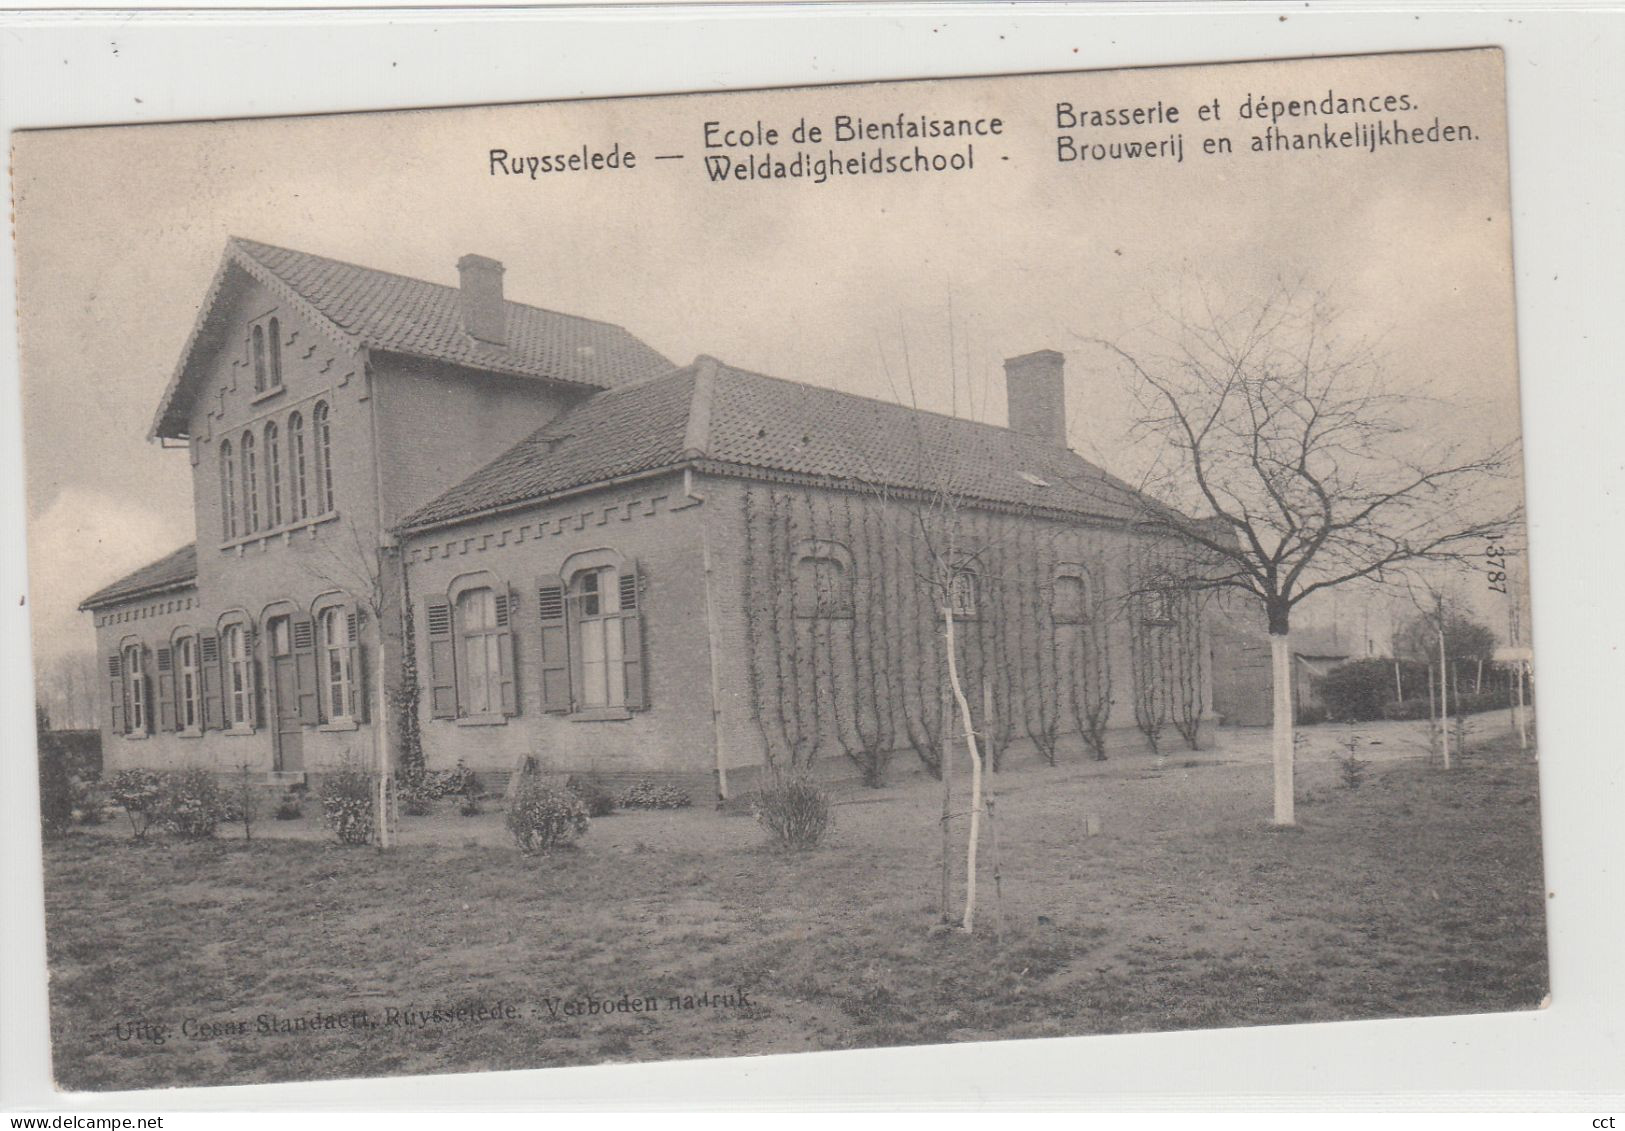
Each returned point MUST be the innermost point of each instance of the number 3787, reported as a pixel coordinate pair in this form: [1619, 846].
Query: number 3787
[1495, 560]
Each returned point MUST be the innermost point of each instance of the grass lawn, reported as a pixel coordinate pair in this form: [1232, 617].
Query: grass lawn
[1418, 893]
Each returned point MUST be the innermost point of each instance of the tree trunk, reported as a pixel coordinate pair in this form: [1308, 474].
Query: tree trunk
[1444, 702]
[1281, 665]
[944, 715]
[380, 740]
[975, 772]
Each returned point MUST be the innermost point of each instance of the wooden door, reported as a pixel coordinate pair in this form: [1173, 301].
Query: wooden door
[287, 725]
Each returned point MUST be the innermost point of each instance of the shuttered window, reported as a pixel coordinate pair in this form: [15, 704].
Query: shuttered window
[237, 661]
[338, 675]
[136, 692]
[188, 689]
[471, 654]
[592, 641]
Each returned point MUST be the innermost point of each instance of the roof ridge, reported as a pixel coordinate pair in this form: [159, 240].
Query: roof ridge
[244, 240]
[697, 436]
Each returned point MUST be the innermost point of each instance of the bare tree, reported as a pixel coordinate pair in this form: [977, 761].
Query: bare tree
[1311, 472]
[347, 562]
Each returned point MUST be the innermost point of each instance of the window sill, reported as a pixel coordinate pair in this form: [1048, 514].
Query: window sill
[237, 732]
[188, 734]
[269, 394]
[134, 736]
[285, 532]
[338, 725]
[600, 715]
[482, 720]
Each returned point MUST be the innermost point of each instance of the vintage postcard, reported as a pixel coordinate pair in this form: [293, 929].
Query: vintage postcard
[774, 571]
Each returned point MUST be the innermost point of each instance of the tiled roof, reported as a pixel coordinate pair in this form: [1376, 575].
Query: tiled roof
[172, 571]
[395, 313]
[731, 419]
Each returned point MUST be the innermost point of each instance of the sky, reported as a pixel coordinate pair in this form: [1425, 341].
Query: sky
[854, 284]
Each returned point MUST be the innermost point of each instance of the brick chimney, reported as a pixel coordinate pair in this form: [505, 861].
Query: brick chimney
[1036, 394]
[485, 314]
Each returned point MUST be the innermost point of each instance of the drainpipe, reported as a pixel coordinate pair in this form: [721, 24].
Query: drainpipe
[380, 726]
[712, 645]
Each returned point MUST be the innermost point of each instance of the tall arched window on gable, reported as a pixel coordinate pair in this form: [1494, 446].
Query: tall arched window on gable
[273, 476]
[251, 485]
[323, 438]
[274, 331]
[228, 492]
[298, 503]
[258, 336]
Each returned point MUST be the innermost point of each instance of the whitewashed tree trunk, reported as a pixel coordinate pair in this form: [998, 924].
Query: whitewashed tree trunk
[380, 742]
[1444, 701]
[1281, 666]
[969, 922]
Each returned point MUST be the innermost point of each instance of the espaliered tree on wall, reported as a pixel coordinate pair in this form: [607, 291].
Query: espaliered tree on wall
[1310, 471]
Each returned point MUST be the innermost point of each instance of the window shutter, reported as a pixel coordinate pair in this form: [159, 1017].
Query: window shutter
[554, 661]
[166, 688]
[359, 699]
[251, 645]
[306, 672]
[637, 696]
[506, 659]
[442, 659]
[209, 674]
[115, 691]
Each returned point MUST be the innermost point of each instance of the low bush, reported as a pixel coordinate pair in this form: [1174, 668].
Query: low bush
[646, 794]
[1310, 714]
[600, 802]
[89, 806]
[190, 802]
[290, 806]
[470, 806]
[795, 811]
[349, 805]
[137, 793]
[541, 817]
[417, 798]
[1406, 709]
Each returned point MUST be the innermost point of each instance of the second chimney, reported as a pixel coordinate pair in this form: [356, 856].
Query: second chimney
[1036, 395]
[485, 314]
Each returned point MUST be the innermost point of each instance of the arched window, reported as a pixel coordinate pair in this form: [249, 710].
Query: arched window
[1160, 599]
[251, 485]
[258, 334]
[323, 439]
[822, 582]
[602, 666]
[273, 476]
[1072, 599]
[298, 504]
[228, 492]
[135, 691]
[237, 657]
[962, 595]
[482, 634]
[336, 633]
[188, 685]
[275, 375]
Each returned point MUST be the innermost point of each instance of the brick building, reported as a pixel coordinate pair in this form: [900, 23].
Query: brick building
[564, 547]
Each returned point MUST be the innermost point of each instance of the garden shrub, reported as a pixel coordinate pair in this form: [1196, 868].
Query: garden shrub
[190, 802]
[290, 806]
[1310, 714]
[417, 798]
[794, 810]
[541, 817]
[349, 804]
[600, 802]
[470, 806]
[89, 807]
[646, 794]
[1356, 691]
[137, 793]
[1407, 709]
